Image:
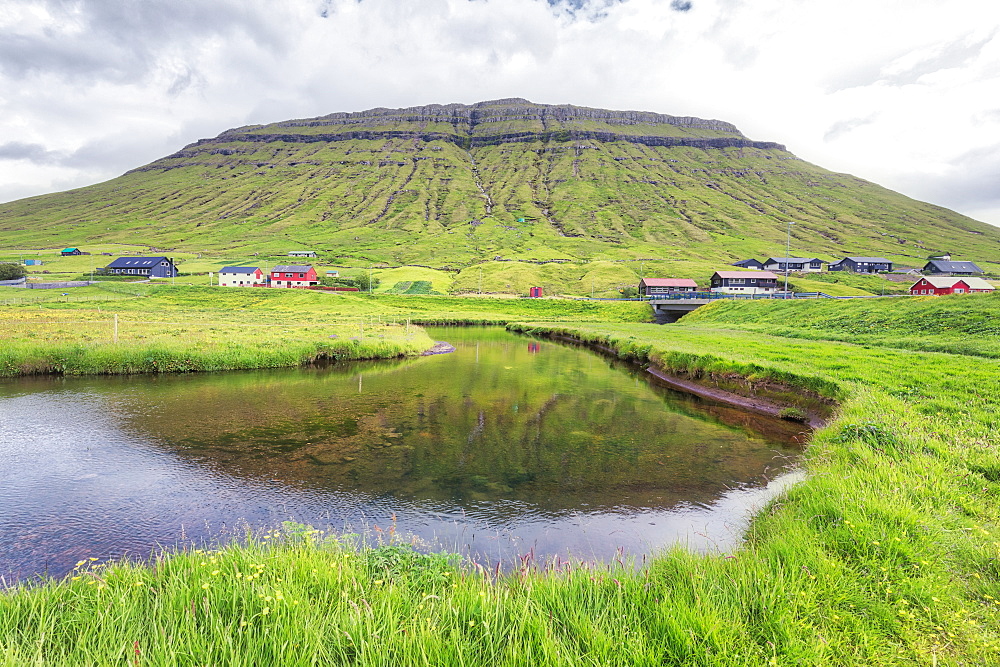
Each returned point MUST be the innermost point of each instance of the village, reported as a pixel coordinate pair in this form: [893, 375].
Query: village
[751, 279]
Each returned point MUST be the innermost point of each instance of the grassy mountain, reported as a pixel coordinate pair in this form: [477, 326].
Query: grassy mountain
[453, 185]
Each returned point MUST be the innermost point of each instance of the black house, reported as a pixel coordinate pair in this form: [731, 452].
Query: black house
[862, 265]
[148, 267]
[939, 267]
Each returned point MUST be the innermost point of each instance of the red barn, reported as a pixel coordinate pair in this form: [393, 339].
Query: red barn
[933, 285]
[293, 275]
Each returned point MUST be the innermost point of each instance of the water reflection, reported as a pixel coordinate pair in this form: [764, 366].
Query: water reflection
[506, 445]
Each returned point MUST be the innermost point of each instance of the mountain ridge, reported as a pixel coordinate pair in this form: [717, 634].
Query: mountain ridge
[451, 185]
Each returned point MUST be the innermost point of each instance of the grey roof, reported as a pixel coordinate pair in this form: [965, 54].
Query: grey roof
[747, 262]
[799, 260]
[869, 260]
[952, 267]
[291, 268]
[239, 269]
[136, 262]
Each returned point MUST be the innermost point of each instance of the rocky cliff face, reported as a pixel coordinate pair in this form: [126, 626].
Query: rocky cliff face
[497, 122]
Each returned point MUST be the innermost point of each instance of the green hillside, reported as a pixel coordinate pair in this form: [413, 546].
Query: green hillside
[449, 186]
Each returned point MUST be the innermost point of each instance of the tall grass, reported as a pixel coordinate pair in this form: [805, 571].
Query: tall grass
[887, 555]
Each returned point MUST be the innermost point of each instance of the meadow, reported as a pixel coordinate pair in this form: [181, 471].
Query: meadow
[886, 555]
[123, 328]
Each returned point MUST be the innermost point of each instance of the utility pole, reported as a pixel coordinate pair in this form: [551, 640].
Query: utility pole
[480, 280]
[788, 250]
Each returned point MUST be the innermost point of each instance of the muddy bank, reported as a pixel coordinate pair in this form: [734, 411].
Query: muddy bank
[757, 404]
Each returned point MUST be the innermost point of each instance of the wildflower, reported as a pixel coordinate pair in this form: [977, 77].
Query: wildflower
[265, 611]
[205, 585]
[75, 578]
[215, 573]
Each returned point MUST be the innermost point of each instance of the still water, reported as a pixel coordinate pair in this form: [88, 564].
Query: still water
[507, 446]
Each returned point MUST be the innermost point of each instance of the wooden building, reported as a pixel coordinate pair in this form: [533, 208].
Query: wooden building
[749, 264]
[862, 265]
[939, 285]
[799, 264]
[659, 286]
[241, 276]
[293, 275]
[744, 282]
[147, 267]
[940, 267]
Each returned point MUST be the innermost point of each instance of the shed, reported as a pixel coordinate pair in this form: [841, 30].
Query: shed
[66, 252]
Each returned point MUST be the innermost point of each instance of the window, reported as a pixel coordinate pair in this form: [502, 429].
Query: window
[736, 281]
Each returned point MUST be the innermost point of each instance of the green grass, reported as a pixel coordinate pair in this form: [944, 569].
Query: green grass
[960, 323]
[886, 555]
[166, 328]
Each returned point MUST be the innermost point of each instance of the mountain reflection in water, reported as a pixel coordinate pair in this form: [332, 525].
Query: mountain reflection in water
[507, 445]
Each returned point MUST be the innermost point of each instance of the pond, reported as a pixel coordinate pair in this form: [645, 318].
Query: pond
[508, 446]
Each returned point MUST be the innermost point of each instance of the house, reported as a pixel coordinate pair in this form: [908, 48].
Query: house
[748, 264]
[793, 263]
[302, 253]
[293, 275]
[241, 276]
[147, 267]
[67, 252]
[744, 282]
[657, 286]
[330, 273]
[941, 285]
[862, 265]
[942, 267]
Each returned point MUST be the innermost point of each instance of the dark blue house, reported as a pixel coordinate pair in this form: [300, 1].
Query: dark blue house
[939, 267]
[862, 265]
[748, 264]
[146, 267]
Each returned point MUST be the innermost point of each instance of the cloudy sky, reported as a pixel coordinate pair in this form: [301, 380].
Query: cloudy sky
[905, 93]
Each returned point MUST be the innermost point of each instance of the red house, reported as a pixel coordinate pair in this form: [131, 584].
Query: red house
[933, 285]
[293, 275]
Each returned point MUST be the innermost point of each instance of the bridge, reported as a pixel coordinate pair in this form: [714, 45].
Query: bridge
[671, 307]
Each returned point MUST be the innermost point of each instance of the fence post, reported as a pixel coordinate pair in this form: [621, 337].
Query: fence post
[116, 328]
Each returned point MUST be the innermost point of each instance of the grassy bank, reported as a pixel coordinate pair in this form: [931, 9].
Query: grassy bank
[162, 328]
[886, 555]
[960, 323]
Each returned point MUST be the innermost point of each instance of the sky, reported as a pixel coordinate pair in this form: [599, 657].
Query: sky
[903, 93]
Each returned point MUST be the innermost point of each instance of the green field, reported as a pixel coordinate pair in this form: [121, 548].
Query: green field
[121, 328]
[886, 555]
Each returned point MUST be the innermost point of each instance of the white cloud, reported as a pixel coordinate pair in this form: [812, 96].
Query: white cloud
[903, 96]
